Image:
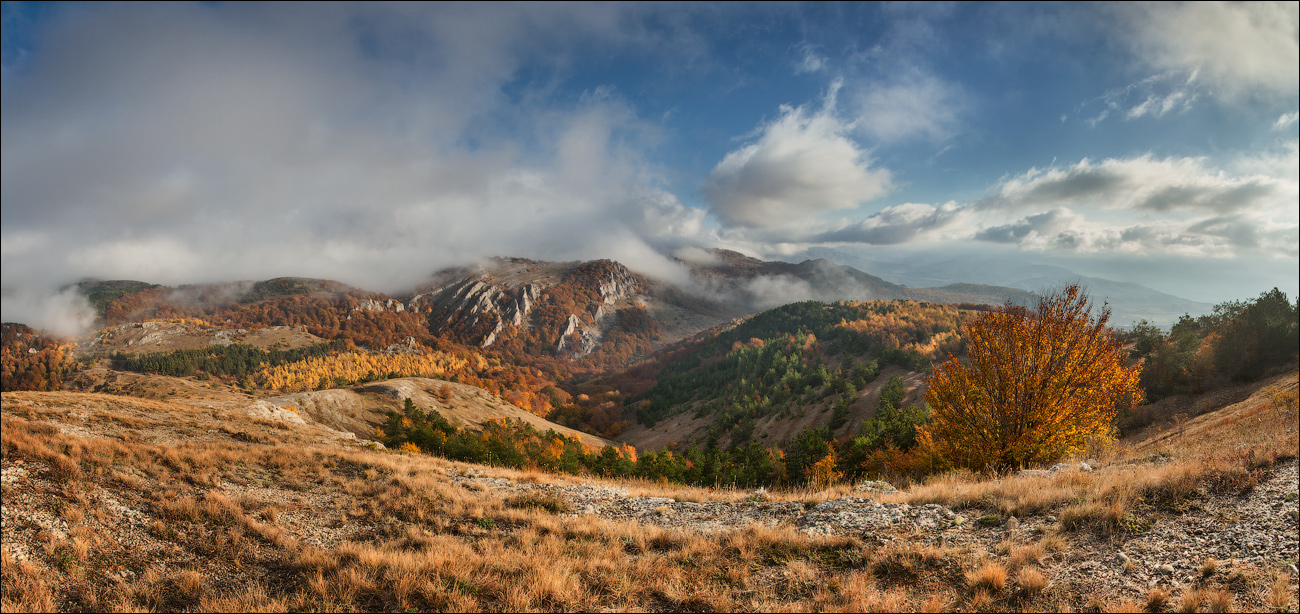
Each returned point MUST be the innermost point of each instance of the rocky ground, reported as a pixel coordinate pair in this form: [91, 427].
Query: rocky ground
[1247, 534]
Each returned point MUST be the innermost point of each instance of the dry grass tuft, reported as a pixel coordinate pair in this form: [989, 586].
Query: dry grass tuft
[990, 577]
[936, 603]
[1031, 582]
[1157, 600]
[1279, 591]
[1028, 554]
[1220, 601]
[1126, 605]
[1193, 600]
[1208, 568]
[549, 502]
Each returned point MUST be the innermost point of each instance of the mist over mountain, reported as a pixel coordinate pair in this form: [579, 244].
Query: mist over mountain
[1128, 301]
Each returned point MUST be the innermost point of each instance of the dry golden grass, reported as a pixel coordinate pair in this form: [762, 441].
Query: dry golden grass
[990, 577]
[1124, 605]
[1194, 599]
[1279, 593]
[1220, 601]
[430, 544]
[1208, 568]
[408, 537]
[1031, 583]
[1157, 600]
[1024, 555]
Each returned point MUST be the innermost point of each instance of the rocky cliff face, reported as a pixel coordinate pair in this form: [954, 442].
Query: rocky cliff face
[371, 304]
[617, 284]
[481, 305]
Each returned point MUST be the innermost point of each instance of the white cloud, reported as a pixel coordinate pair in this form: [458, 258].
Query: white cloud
[1138, 206]
[65, 312]
[1158, 106]
[900, 224]
[1286, 120]
[1238, 49]
[916, 104]
[370, 144]
[1157, 95]
[802, 164]
[1141, 183]
[810, 61]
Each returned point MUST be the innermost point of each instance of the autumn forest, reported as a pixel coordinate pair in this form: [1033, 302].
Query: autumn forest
[808, 363]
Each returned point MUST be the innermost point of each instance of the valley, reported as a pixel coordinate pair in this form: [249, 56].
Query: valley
[303, 444]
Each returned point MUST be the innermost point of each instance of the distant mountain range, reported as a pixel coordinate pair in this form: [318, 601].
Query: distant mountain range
[1129, 302]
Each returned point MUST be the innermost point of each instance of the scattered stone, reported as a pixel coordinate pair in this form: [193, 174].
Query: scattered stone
[875, 486]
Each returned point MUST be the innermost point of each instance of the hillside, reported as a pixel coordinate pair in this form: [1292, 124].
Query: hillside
[801, 365]
[361, 409]
[533, 332]
[167, 336]
[114, 502]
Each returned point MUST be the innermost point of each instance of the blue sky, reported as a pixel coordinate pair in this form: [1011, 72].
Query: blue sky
[374, 144]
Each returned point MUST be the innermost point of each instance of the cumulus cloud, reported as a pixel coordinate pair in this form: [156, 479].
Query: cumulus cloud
[1147, 205]
[898, 224]
[1237, 49]
[1024, 230]
[1141, 183]
[1209, 237]
[1137, 206]
[800, 165]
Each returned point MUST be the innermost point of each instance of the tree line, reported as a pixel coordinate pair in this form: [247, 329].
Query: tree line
[234, 361]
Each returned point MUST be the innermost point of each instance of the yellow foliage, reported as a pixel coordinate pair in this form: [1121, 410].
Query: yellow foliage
[906, 325]
[1039, 384]
[823, 472]
[351, 367]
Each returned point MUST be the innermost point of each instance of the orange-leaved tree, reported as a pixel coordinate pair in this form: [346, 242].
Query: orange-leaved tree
[1038, 385]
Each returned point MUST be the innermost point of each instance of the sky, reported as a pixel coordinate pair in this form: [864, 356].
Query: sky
[376, 143]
